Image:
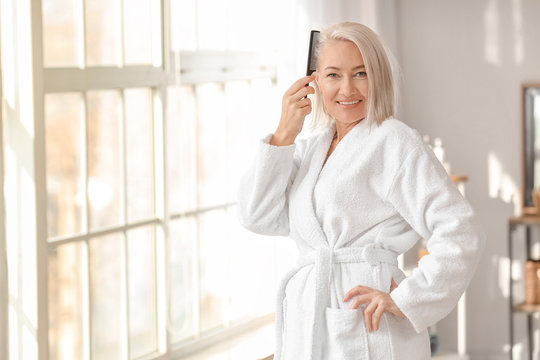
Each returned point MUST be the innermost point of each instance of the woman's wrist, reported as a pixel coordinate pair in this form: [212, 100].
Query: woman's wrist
[282, 139]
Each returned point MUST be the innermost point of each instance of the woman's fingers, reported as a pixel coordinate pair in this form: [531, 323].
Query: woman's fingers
[367, 314]
[298, 96]
[299, 84]
[295, 107]
[303, 103]
[360, 299]
[295, 98]
[357, 290]
[377, 317]
[378, 303]
[303, 92]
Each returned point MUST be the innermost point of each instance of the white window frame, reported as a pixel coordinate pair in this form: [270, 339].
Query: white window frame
[82, 80]
[217, 67]
[3, 256]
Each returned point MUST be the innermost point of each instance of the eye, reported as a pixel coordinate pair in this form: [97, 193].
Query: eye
[332, 75]
[361, 74]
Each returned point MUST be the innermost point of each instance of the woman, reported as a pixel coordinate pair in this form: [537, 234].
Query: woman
[353, 198]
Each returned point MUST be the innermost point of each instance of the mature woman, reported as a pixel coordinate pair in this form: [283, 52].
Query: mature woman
[353, 197]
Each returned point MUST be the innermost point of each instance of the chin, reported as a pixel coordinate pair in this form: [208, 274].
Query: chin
[349, 120]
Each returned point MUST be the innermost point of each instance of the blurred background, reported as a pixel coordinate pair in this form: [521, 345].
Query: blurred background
[126, 125]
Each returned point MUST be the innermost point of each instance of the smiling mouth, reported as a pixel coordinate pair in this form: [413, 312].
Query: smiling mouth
[348, 102]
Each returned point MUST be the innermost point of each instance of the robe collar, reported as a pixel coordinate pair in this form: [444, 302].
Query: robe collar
[322, 145]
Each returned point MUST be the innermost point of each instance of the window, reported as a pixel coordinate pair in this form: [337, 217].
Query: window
[104, 199]
[147, 110]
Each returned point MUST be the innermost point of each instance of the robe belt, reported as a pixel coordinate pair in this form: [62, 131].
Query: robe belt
[322, 259]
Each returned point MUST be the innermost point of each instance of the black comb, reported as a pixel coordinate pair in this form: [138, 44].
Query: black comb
[311, 62]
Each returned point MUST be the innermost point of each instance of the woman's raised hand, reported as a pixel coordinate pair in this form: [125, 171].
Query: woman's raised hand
[295, 107]
[379, 302]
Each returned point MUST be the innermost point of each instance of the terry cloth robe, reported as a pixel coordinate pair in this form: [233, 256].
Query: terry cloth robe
[380, 190]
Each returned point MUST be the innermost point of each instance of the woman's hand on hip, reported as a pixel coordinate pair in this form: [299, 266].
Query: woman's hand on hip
[295, 107]
[379, 302]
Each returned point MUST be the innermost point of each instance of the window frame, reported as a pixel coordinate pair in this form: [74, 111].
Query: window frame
[4, 351]
[81, 80]
[158, 78]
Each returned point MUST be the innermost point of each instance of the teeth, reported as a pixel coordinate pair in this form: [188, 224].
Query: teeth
[349, 102]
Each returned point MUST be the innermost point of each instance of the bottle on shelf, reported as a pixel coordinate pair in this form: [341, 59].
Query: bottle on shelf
[532, 282]
[440, 153]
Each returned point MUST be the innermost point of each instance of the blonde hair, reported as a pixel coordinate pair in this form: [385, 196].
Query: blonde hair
[380, 67]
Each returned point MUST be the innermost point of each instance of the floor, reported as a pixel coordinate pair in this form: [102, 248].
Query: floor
[257, 345]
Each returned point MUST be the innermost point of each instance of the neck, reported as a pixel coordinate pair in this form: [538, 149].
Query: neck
[343, 128]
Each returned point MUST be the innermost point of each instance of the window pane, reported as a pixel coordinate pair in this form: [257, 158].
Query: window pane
[106, 297]
[104, 158]
[103, 24]
[239, 117]
[142, 292]
[137, 31]
[66, 298]
[260, 26]
[61, 30]
[244, 101]
[212, 145]
[139, 153]
[64, 134]
[183, 237]
[181, 144]
[212, 30]
[183, 22]
[214, 272]
[252, 292]
[263, 92]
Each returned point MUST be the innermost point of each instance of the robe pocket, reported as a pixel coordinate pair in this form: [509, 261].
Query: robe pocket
[346, 335]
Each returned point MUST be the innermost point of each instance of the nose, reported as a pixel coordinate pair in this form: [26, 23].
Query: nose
[347, 87]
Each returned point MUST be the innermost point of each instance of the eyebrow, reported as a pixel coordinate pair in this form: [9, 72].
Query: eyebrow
[336, 68]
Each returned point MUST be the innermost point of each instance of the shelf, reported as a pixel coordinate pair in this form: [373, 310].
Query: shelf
[525, 220]
[527, 308]
[459, 178]
[449, 356]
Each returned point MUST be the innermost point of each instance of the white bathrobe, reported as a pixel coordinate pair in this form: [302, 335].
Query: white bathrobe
[380, 190]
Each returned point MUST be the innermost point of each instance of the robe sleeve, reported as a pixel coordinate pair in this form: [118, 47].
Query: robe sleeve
[426, 198]
[264, 188]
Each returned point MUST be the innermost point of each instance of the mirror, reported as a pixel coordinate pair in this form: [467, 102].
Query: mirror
[531, 145]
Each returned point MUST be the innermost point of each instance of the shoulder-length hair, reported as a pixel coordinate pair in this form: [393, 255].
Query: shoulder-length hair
[380, 66]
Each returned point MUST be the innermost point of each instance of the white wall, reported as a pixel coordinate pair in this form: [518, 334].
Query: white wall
[463, 63]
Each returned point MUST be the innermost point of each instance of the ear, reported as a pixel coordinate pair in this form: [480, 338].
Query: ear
[317, 80]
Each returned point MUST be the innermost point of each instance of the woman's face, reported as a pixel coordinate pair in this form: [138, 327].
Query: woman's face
[342, 80]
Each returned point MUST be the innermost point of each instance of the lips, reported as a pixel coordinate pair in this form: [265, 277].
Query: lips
[353, 102]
